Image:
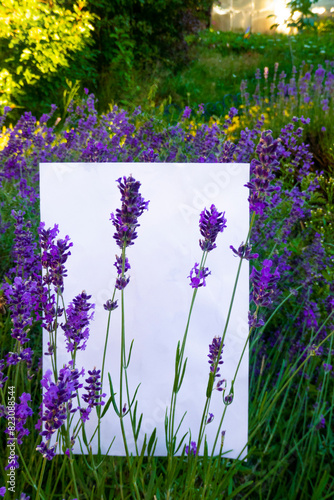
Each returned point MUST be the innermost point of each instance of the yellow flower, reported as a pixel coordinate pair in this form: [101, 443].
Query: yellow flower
[4, 137]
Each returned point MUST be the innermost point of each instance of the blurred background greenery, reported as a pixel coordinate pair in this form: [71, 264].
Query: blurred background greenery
[120, 49]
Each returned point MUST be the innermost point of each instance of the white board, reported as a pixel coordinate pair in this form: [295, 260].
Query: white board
[80, 198]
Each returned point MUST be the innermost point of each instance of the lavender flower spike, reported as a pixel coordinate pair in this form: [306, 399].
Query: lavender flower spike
[3, 379]
[54, 255]
[244, 252]
[197, 276]
[78, 317]
[264, 284]
[210, 418]
[213, 355]
[126, 218]
[22, 412]
[57, 400]
[192, 450]
[93, 396]
[110, 305]
[262, 172]
[211, 223]
[122, 280]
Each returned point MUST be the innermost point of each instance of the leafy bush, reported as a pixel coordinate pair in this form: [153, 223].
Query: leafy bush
[133, 34]
[98, 43]
[37, 40]
[306, 17]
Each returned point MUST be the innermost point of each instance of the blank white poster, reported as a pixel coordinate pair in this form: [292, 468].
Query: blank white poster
[80, 198]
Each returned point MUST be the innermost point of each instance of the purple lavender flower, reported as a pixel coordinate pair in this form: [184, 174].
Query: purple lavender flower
[25, 255]
[23, 496]
[93, 396]
[197, 276]
[85, 413]
[221, 385]
[149, 156]
[13, 463]
[319, 74]
[324, 104]
[47, 452]
[262, 173]
[51, 349]
[310, 314]
[213, 355]
[26, 354]
[119, 265]
[3, 379]
[3, 491]
[67, 451]
[201, 110]
[210, 418]
[186, 113]
[110, 305]
[57, 400]
[228, 399]
[223, 437]
[305, 121]
[254, 321]
[227, 151]
[54, 255]
[22, 300]
[126, 218]
[231, 114]
[48, 309]
[264, 284]
[121, 282]
[22, 412]
[327, 367]
[244, 252]
[46, 116]
[321, 424]
[12, 358]
[192, 450]
[76, 327]
[211, 223]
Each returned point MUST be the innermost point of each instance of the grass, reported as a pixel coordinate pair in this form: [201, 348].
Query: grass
[218, 61]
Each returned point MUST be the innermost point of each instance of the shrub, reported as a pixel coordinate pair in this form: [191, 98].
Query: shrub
[37, 40]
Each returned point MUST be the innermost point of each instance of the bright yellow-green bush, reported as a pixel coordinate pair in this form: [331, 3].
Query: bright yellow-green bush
[36, 39]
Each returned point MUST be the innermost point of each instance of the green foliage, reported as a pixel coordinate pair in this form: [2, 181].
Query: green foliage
[155, 26]
[325, 25]
[36, 41]
[220, 60]
[131, 34]
[302, 6]
[44, 44]
[307, 18]
[288, 50]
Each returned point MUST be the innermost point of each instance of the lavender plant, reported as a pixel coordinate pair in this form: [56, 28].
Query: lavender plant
[125, 220]
[211, 223]
[291, 318]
